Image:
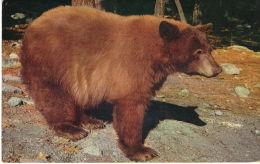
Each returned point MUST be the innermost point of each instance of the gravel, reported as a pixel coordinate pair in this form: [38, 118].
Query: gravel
[28, 101]
[184, 92]
[13, 56]
[218, 113]
[11, 78]
[18, 16]
[257, 132]
[230, 69]
[11, 89]
[242, 91]
[10, 63]
[15, 101]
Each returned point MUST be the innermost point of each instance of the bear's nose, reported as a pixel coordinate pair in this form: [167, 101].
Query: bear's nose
[219, 70]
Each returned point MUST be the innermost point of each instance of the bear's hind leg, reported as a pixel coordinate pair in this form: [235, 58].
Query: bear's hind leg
[128, 122]
[59, 109]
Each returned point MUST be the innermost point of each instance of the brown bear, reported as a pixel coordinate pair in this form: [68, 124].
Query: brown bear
[74, 58]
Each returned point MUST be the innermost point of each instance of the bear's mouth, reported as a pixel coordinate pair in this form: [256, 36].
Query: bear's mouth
[214, 74]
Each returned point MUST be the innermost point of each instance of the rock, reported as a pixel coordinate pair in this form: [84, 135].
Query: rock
[10, 63]
[218, 113]
[230, 69]
[11, 78]
[28, 101]
[242, 91]
[184, 92]
[15, 101]
[257, 132]
[247, 26]
[15, 44]
[239, 48]
[12, 89]
[18, 16]
[13, 56]
[92, 150]
[239, 27]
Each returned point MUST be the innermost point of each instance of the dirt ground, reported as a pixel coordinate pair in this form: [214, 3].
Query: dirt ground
[191, 119]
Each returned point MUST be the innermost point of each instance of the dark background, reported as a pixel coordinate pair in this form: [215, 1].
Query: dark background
[235, 21]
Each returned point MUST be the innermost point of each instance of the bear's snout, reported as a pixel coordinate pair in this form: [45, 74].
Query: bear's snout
[213, 73]
[204, 66]
[207, 66]
[218, 71]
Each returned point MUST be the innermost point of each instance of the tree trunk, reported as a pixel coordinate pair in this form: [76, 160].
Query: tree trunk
[159, 8]
[90, 3]
[98, 4]
[197, 14]
[178, 4]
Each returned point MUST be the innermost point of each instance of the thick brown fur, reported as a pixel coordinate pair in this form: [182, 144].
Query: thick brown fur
[74, 58]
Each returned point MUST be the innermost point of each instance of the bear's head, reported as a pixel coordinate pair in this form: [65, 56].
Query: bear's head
[188, 50]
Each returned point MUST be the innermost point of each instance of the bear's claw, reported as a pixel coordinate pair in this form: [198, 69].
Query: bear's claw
[144, 154]
[71, 132]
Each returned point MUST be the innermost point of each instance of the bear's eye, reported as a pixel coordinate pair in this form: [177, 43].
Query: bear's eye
[198, 52]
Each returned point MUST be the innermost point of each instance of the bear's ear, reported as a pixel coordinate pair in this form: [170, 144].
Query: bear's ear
[207, 28]
[168, 31]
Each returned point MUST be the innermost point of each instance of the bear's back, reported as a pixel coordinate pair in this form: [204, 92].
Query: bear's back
[89, 52]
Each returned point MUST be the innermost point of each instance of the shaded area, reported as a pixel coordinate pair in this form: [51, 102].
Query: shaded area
[11, 34]
[103, 112]
[156, 112]
[31, 9]
[133, 7]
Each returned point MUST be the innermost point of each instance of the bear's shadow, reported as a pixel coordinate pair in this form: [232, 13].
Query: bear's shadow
[156, 112]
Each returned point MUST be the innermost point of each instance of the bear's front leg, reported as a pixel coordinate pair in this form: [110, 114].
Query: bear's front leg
[128, 118]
